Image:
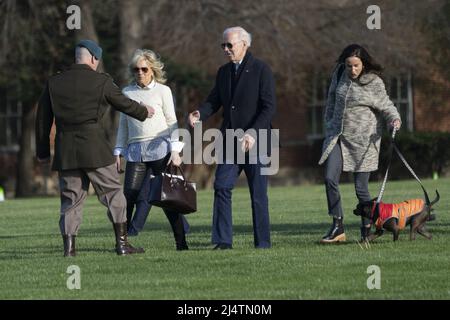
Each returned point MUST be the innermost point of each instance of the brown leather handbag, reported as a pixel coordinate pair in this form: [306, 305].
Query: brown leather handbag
[173, 192]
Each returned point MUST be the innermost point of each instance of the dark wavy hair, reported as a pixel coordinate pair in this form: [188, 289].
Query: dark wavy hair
[355, 50]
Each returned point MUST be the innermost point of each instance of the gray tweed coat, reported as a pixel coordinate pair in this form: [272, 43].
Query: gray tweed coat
[353, 115]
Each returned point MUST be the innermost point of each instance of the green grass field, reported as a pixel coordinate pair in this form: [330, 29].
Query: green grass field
[297, 267]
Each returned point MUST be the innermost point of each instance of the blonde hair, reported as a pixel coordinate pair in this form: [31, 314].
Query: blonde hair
[153, 61]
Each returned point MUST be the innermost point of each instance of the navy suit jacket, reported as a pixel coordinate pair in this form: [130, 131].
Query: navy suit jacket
[251, 105]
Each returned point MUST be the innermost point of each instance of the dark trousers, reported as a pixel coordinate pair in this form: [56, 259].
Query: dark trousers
[226, 176]
[136, 190]
[333, 170]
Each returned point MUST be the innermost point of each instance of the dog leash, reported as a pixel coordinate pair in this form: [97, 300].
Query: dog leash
[383, 186]
[427, 199]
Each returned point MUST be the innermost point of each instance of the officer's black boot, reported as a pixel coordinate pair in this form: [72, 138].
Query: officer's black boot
[123, 247]
[69, 245]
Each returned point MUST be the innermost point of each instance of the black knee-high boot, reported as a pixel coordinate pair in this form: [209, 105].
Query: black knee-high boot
[176, 222]
[131, 196]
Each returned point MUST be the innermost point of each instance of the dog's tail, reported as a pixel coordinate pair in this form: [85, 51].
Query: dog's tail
[431, 216]
[435, 200]
[427, 198]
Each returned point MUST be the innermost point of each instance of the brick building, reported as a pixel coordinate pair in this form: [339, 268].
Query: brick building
[300, 40]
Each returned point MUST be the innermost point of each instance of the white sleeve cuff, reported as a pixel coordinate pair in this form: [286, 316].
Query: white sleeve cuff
[118, 151]
[176, 146]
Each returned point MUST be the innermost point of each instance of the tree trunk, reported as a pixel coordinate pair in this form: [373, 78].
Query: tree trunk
[130, 35]
[87, 30]
[24, 180]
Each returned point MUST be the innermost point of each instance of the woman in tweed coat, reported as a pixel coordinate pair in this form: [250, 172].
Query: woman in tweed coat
[357, 101]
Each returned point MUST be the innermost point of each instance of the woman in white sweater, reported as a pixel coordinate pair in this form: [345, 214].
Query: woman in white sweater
[147, 146]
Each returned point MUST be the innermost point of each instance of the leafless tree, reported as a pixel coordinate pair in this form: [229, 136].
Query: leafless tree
[297, 38]
[27, 40]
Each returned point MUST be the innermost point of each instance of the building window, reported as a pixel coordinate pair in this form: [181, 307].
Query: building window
[10, 123]
[399, 89]
[316, 108]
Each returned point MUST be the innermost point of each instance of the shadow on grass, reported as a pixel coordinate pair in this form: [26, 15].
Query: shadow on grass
[310, 230]
[278, 228]
[30, 235]
[37, 251]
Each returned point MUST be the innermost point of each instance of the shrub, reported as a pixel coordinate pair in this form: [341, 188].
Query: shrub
[428, 153]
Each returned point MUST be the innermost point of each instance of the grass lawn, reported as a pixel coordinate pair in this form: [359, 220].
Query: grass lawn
[297, 267]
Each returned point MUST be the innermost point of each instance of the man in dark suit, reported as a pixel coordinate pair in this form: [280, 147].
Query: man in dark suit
[245, 90]
[77, 99]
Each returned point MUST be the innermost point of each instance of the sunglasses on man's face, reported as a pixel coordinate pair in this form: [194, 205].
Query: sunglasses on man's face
[144, 69]
[228, 45]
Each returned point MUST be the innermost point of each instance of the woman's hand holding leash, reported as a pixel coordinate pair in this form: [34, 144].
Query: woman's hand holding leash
[395, 125]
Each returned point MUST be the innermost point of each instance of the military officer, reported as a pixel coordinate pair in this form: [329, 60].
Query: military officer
[77, 100]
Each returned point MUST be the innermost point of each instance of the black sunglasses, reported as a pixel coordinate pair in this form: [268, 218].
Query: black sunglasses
[144, 69]
[228, 45]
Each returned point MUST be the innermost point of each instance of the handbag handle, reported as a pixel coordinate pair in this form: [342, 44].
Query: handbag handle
[172, 170]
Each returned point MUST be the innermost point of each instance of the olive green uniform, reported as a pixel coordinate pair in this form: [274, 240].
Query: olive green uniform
[77, 100]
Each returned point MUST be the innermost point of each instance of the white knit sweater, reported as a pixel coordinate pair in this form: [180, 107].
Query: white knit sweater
[162, 123]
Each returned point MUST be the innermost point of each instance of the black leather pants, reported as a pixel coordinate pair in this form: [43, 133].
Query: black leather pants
[136, 190]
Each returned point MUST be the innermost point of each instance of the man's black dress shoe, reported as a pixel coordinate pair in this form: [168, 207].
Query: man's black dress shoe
[223, 246]
[182, 247]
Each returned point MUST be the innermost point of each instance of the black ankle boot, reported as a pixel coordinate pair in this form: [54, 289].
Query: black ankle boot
[336, 232]
[123, 247]
[69, 245]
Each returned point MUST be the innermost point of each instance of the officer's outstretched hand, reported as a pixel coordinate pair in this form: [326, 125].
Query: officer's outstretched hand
[150, 110]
